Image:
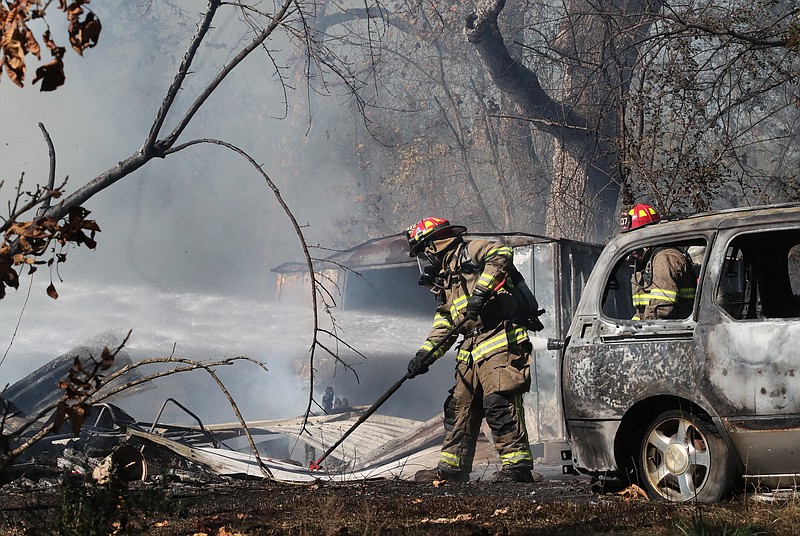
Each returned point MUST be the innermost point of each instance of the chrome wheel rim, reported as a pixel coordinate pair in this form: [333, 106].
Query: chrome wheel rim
[677, 462]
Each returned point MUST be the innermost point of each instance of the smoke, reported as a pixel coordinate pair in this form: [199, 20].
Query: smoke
[187, 325]
[207, 327]
[200, 220]
[386, 341]
[187, 243]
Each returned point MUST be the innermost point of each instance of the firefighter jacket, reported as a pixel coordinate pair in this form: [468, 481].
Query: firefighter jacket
[465, 267]
[665, 287]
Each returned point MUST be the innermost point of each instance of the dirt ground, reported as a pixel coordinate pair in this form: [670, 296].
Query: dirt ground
[559, 505]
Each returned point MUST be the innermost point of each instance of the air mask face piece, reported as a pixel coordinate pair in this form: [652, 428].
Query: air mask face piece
[429, 267]
[635, 257]
[643, 275]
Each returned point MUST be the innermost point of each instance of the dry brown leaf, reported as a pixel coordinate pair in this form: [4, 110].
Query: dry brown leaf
[52, 292]
[55, 50]
[14, 60]
[8, 277]
[59, 416]
[51, 74]
[632, 493]
[77, 415]
[106, 359]
[447, 520]
[83, 35]
[31, 45]
[91, 31]
[14, 50]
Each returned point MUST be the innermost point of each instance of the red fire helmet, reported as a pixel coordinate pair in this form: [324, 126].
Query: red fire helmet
[431, 228]
[638, 216]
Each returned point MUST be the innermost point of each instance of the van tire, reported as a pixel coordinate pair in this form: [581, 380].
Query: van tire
[682, 458]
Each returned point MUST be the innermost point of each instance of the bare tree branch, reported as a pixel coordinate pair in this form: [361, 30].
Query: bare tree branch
[51, 179]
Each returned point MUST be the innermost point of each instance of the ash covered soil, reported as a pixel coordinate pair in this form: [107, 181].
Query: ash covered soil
[558, 505]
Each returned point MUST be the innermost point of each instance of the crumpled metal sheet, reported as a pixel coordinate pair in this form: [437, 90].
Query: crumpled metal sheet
[381, 447]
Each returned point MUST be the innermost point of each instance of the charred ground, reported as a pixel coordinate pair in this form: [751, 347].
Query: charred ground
[224, 507]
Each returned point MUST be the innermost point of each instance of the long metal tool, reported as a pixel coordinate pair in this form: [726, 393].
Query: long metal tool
[374, 407]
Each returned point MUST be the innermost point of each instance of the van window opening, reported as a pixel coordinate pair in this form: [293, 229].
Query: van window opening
[618, 296]
[761, 276]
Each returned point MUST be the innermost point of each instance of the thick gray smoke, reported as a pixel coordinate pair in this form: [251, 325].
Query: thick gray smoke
[187, 245]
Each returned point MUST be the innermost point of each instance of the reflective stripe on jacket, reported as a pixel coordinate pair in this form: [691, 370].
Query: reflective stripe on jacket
[492, 333]
[666, 288]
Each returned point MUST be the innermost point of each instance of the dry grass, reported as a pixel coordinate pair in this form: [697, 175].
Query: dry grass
[394, 508]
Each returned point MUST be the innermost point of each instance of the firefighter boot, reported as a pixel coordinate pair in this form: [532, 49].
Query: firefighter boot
[430, 475]
[516, 474]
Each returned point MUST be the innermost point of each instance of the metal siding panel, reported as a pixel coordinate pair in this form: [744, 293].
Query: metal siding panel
[544, 414]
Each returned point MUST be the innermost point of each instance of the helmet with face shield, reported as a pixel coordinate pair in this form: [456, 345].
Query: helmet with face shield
[429, 229]
[423, 238]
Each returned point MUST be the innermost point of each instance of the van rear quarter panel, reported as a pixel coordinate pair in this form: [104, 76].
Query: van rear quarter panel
[750, 373]
[750, 368]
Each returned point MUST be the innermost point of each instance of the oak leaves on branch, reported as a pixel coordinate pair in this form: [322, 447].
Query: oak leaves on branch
[26, 243]
[17, 40]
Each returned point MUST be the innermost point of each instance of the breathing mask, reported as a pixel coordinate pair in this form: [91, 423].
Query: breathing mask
[429, 267]
[640, 260]
[636, 257]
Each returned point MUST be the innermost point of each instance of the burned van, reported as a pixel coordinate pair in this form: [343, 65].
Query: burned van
[691, 407]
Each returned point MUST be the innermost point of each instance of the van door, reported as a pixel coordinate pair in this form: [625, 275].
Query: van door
[618, 356]
[556, 271]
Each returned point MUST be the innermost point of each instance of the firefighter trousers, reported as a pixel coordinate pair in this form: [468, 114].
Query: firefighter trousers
[492, 389]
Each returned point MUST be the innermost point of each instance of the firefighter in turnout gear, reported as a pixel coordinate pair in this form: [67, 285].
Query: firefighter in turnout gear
[473, 281]
[663, 283]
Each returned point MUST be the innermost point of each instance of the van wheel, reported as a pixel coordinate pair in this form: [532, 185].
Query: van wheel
[681, 458]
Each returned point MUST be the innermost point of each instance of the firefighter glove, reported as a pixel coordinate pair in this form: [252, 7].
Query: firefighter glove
[534, 324]
[418, 364]
[476, 302]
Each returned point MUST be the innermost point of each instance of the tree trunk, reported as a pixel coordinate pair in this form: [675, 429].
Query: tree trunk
[586, 182]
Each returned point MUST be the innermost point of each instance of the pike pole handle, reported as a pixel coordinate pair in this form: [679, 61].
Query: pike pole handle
[316, 465]
[378, 403]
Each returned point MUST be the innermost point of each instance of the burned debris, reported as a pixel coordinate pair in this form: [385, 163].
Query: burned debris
[112, 441]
